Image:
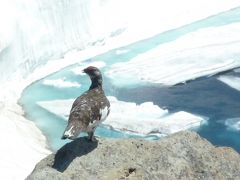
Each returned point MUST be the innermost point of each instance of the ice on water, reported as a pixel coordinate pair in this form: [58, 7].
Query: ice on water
[60, 83]
[194, 55]
[233, 123]
[230, 80]
[129, 117]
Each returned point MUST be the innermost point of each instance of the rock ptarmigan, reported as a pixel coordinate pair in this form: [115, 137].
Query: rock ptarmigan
[89, 109]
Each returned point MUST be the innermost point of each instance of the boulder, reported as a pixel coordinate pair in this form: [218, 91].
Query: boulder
[184, 155]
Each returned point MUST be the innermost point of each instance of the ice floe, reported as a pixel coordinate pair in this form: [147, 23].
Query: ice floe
[202, 53]
[143, 119]
[233, 123]
[232, 81]
[61, 83]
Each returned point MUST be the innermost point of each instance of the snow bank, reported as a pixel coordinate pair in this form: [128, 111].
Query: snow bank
[232, 81]
[35, 32]
[61, 83]
[44, 21]
[233, 123]
[22, 144]
[196, 54]
[142, 119]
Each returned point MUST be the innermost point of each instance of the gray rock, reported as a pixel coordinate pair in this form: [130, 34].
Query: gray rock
[184, 155]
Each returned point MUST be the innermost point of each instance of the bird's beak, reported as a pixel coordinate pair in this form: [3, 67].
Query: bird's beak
[83, 71]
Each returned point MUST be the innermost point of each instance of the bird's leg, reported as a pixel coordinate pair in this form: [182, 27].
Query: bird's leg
[91, 136]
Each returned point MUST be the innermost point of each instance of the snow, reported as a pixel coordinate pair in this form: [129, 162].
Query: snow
[39, 31]
[60, 83]
[41, 37]
[22, 144]
[232, 81]
[142, 119]
[233, 123]
[197, 54]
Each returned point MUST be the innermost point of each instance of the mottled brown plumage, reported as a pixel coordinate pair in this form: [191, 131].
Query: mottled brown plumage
[89, 109]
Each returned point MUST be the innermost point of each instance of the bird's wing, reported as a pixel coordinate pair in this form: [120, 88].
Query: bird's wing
[90, 106]
[80, 100]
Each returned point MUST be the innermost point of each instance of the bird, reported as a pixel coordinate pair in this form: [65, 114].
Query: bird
[88, 110]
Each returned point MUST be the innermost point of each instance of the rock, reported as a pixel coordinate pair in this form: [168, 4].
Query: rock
[184, 155]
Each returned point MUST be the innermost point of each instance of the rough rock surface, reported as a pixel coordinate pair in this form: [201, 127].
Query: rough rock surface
[184, 155]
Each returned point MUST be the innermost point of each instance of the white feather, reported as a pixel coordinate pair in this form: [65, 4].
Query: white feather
[95, 123]
[69, 132]
[104, 113]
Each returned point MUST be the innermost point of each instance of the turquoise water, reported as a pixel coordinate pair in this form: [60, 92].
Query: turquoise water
[173, 98]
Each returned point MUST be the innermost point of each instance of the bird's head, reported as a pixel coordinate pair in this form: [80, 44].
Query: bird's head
[95, 75]
[92, 71]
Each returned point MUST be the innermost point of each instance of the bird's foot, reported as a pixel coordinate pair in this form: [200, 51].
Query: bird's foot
[91, 137]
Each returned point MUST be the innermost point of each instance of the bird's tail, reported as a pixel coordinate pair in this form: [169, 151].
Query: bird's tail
[70, 133]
